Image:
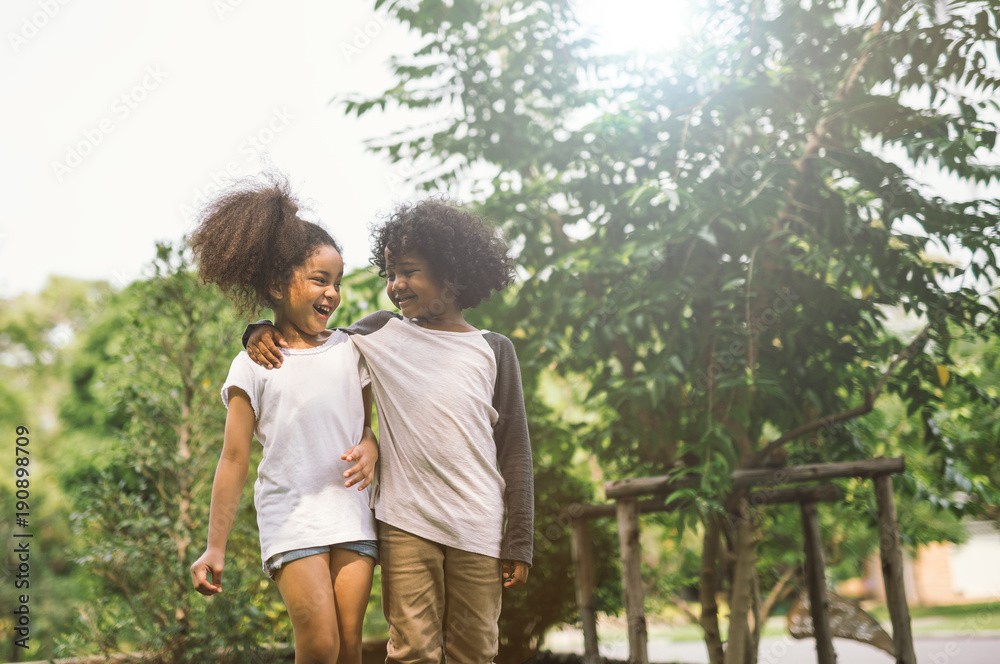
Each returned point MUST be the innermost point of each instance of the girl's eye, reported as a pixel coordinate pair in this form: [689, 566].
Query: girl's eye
[337, 286]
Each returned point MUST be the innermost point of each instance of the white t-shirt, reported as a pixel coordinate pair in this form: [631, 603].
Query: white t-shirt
[308, 413]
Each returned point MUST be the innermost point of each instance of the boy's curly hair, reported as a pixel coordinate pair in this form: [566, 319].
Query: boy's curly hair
[249, 239]
[460, 248]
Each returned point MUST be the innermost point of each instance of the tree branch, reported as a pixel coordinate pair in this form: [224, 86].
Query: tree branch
[819, 132]
[778, 592]
[864, 409]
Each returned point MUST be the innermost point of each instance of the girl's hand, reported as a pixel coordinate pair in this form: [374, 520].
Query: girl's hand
[366, 454]
[262, 347]
[515, 573]
[211, 562]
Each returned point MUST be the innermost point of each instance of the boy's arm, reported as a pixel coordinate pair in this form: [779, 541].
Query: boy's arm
[365, 452]
[513, 453]
[230, 475]
[262, 339]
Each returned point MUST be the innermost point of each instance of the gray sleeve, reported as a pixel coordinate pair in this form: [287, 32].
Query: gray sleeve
[366, 325]
[513, 451]
[251, 327]
[371, 323]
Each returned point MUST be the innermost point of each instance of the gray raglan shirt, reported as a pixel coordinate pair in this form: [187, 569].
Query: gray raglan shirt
[455, 458]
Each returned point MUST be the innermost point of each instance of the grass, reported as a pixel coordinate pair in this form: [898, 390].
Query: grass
[964, 618]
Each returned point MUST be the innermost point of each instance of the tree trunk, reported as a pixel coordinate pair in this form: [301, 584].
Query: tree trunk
[709, 587]
[758, 620]
[739, 605]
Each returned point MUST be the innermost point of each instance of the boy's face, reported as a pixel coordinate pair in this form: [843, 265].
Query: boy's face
[414, 288]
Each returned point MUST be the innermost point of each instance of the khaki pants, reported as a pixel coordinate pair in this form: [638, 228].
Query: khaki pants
[442, 604]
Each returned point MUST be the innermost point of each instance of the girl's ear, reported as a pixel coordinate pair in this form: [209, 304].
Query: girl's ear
[275, 293]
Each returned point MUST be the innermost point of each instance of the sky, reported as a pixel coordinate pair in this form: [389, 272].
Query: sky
[121, 116]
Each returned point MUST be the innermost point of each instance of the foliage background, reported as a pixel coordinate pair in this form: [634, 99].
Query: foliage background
[710, 254]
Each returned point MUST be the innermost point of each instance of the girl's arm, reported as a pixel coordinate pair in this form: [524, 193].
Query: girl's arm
[230, 475]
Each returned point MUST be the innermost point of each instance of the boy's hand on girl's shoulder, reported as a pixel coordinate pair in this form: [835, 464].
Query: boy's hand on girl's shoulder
[515, 573]
[263, 346]
[366, 455]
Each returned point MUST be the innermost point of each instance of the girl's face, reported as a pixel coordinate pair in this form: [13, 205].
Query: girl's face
[413, 287]
[311, 295]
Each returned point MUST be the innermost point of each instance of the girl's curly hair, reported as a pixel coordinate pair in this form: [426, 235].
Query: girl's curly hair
[460, 248]
[249, 239]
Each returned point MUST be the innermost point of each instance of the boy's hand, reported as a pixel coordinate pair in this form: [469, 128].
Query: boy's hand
[515, 573]
[262, 347]
[366, 454]
[211, 562]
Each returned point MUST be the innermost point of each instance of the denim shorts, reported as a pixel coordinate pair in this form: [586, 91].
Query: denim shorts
[364, 547]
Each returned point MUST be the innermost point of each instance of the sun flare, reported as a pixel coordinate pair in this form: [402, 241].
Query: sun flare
[645, 26]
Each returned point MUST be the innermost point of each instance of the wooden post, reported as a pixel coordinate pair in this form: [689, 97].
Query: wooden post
[628, 535]
[819, 603]
[892, 571]
[583, 566]
[771, 477]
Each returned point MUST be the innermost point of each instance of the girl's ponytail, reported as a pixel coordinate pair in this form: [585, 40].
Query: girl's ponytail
[249, 238]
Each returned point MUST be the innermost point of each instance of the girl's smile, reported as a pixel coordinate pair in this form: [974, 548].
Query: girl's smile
[306, 302]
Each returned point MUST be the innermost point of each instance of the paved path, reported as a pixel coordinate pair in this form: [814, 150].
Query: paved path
[949, 649]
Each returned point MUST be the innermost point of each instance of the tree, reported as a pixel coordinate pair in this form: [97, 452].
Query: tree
[147, 380]
[713, 240]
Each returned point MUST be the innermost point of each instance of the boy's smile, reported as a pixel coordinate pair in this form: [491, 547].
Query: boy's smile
[419, 293]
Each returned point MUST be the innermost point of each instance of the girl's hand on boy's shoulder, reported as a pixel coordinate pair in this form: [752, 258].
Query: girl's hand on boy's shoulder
[263, 346]
[515, 573]
[366, 455]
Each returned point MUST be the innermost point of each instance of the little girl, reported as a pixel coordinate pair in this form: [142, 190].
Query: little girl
[317, 537]
[454, 500]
